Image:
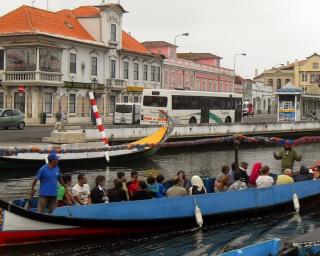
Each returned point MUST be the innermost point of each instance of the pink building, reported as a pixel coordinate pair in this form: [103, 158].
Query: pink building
[194, 71]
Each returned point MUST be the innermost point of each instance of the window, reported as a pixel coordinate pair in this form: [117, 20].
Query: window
[113, 32]
[1, 100]
[112, 103]
[50, 60]
[136, 99]
[166, 77]
[48, 103]
[278, 83]
[145, 72]
[125, 99]
[315, 65]
[155, 101]
[125, 70]
[94, 66]
[1, 59]
[312, 78]
[124, 108]
[19, 101]
[72, 103]
[113, 69]
[210, 86]
[73, 63]
[158, 74]
[153, 73]
[270, 82]
[304, 77]
[22, 59]
[287, 81]
[136, 71]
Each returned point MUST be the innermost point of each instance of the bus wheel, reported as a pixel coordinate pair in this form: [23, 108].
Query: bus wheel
[192, 120]
[228, 120]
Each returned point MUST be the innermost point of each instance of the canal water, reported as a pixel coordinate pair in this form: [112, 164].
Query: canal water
[207, 241]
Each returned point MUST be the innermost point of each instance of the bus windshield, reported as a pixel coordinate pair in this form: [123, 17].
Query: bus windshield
[155, 101]
[123, 108]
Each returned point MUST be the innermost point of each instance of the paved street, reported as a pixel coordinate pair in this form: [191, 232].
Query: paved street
[261, 118]
[35, 134]
[29, 134]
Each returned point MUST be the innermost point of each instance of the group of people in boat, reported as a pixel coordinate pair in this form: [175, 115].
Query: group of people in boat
[232, 178]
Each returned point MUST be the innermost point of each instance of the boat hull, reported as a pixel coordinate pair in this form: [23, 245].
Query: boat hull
[140, 217]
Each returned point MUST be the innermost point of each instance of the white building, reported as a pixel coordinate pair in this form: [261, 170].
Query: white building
[260, 95]
[49, 61]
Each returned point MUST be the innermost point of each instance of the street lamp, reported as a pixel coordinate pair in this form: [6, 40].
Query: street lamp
[234, 65]
[175, 38]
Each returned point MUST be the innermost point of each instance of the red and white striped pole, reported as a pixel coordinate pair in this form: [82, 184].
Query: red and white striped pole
[100, 127]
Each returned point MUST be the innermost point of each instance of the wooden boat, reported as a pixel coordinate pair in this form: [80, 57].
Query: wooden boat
[92, 158]
[308, 244]
[19, 225]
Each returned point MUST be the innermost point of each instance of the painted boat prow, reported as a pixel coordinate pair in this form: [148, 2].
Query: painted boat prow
[267, 248]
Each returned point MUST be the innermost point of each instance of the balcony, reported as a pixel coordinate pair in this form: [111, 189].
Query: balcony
[115, 84]
[32, 77]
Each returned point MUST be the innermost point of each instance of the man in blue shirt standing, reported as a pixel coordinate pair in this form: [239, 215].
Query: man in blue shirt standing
[48, 175]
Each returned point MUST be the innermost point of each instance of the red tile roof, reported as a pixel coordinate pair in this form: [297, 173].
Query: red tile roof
[86, 11]
[28, 19]
[132, 45]
[157, 44]
[197, 56]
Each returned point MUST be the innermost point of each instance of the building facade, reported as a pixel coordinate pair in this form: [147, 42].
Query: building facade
[192, 71]
[304, 74]
[49, 61]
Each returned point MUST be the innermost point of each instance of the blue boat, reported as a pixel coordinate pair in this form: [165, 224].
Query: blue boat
[268, 248]
[305, 245]
[19, 225]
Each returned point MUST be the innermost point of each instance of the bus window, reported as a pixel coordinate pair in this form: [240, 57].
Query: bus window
[155, 101]
[123, 108]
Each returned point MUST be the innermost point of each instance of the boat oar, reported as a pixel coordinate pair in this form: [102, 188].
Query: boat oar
[197, 213]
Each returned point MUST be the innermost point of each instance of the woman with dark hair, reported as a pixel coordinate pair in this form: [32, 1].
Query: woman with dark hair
[183, 181]
[98, 193]
[117, 193]
[222, 182]
[142, 193]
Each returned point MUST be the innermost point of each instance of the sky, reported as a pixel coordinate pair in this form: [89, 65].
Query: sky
[270, 32]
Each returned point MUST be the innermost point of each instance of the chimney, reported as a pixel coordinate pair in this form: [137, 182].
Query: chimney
[256, 72]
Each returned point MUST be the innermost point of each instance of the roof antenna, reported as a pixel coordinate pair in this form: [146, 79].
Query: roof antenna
[47, 5]
[32, 2]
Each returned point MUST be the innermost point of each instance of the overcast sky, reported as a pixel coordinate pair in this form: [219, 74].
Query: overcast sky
[271, 32]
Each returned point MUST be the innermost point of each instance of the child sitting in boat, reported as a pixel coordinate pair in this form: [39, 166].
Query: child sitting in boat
[64, 196]
[117, 193]
[153, 187]
[222, 182]
[142, 192]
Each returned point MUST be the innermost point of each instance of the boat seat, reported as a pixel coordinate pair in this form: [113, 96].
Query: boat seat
[209, 184]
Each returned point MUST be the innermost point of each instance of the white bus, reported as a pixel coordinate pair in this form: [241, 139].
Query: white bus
[127, 113]
[190, 107]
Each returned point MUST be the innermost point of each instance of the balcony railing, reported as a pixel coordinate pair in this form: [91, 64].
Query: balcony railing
[32, 76]
[115, 84]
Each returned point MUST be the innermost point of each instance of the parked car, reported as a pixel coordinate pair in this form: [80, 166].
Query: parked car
[11, 118]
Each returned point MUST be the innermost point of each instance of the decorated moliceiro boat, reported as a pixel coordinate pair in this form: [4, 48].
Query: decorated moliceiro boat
[89, 153]
[19, 225]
